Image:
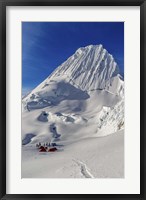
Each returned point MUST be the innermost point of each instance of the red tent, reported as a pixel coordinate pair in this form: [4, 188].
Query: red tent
[52, 149]
[42, 149]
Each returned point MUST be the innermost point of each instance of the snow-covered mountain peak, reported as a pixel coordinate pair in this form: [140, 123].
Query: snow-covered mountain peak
[90, 67]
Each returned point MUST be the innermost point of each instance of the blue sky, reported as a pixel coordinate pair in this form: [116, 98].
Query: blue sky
[45, 45]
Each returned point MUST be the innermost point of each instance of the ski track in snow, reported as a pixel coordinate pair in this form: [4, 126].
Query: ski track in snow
[84, 169]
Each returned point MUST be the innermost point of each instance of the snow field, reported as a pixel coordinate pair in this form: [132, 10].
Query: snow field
[87, 158]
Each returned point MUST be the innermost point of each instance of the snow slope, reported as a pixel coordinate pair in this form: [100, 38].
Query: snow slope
[81, 101]
[88, 158]
[111, 120]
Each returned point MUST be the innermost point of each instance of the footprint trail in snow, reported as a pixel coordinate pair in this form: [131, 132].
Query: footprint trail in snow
[84, 169]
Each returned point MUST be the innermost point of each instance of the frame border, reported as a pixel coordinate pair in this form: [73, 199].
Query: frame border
[3, 5]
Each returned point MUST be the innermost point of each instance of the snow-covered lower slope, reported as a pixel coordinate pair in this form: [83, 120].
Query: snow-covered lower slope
[74, 119]
[87, 158]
